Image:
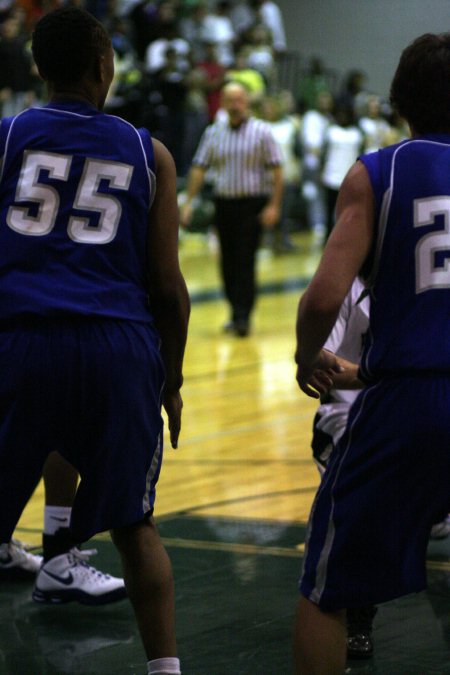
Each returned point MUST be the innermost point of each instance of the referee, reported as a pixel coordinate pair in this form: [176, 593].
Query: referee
[248, 188]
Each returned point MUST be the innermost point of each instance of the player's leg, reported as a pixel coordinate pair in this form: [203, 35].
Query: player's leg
[66, 575]
[18, 481]
[319, 640]
[22, 453]
[360, 632]
[149, 582]
[16, 558]
[117, 446]
[60, 483]
[357, 544]
[359, 620]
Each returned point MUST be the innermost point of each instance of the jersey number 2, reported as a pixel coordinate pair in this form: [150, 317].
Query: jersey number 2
[428, 274]
[117, 174]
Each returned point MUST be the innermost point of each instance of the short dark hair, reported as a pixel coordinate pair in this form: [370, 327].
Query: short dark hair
[420, 90]
[66, 44]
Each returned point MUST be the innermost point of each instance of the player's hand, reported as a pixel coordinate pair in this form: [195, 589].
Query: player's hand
[173, 405]
[317, 379]
[321, 381]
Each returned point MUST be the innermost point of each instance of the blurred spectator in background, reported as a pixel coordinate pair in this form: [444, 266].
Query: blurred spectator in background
[354, 92]
[170, 87]
[214, 78]
[398, 129]
[245, 14]
[192, 28]
[313, 134]
[126, 94]
[16, 67]
[250, 78]
[343, 144]
[374, 126]
[285, 127]
[196, 116]
[242, 17]
[6, 7]
[149, 20]
[270, 14]
[259, 53]
[103, 10]
[219, 29]
[157, 50]
[312, 84]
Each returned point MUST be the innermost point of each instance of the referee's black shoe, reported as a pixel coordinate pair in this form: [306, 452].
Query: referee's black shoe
[229, 327]
[359, 632]
[242, 327]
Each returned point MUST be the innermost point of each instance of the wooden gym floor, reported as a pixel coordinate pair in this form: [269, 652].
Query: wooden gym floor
[232, 505]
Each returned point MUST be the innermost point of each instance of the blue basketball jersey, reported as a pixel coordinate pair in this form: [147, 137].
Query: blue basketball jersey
[410, 277]
[76, 187]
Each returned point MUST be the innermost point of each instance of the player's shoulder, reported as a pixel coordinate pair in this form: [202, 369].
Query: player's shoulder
[386, 153]
[125, 129]
[119, 123]
[422, 145]
[27, 115]
[401, 156]
[24, 122]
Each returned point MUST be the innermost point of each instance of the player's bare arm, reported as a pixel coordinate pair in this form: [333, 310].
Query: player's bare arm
[342, 259]
[168, 295]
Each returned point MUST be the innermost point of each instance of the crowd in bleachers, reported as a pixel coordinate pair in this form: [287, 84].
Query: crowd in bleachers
[172, 58]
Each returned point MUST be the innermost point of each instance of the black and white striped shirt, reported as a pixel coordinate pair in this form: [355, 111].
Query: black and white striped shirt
[240, 158]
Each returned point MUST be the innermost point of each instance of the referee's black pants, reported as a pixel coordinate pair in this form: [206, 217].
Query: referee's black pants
[239, 231]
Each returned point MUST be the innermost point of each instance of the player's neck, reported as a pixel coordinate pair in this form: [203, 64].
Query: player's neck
[82, 95]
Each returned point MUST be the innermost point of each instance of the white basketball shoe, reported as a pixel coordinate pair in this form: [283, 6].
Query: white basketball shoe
[441, 530]
[15, 557]
[68, 578]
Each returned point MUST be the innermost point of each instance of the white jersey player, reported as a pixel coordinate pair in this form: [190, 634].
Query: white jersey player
[346, 341]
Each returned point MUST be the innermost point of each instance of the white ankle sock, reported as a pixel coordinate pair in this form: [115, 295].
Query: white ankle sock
[167, 666]
[56, 517]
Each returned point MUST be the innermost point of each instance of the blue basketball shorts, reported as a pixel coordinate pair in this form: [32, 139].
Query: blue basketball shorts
[387, 482]
[90, 389]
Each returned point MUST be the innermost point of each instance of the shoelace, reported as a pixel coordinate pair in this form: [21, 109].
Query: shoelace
[81, 558]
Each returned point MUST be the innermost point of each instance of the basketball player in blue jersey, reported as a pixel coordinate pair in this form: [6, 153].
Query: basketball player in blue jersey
[387, 480]
[93, 314]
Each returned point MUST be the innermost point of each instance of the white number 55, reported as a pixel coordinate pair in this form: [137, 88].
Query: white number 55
[117, 174]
